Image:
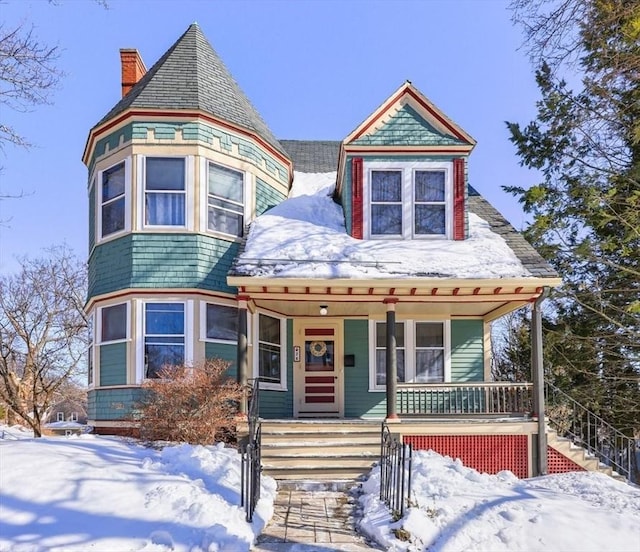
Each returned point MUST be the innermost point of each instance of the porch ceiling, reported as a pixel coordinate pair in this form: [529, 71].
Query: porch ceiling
[489, 299]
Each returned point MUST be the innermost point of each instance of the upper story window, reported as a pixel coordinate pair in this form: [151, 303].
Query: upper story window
[113, 190]
[225, 200]
[164, 337]
[422, 352]
[408, 200]
[165, 191]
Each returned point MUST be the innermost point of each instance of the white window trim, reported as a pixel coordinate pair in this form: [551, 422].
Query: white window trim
[282, 386]
[408, 169]
[91, 353]
[203, 322]
[59, 416]
[73, 417]
[98, 325]
[410, 350]
[189, 171]
[247, 180]
[127, 202]
[141, 333]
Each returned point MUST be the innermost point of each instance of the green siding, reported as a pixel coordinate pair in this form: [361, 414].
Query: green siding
[198, 132]
[266, 197]
[112, 404]
[467, 351]
[279, 404]
[161, 261]
[92, 217]
[113, 364]
[224, 351]
[406, 127]
[358, 402]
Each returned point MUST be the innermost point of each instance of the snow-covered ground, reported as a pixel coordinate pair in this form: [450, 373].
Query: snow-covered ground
[94, 493]
[305, 237]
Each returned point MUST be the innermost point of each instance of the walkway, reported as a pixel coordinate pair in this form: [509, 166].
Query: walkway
[310, 521]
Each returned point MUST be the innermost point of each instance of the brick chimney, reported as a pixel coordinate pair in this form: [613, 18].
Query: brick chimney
[133, 68]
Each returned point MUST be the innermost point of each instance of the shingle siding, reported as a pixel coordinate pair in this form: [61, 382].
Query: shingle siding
[112, 404]
[113, 364]
[266, 197]
[226, 352]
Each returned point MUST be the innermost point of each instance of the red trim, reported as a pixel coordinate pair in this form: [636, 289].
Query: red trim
[518, 289]
[390, 300]
[318, 331]
[356, 201]
[458, 199]
[243, 298]
[476, 291]
[497, 291]
[456, 291]
[434, 291]
[311, 389]
[319, 379]
[413, 291]
[319, 399]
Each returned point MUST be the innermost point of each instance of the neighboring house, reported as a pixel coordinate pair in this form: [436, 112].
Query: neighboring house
[328, 299]
[67, 416]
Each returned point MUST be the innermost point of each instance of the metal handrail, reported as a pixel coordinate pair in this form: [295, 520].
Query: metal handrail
[588, 430]
[251, 469]
[395, 471]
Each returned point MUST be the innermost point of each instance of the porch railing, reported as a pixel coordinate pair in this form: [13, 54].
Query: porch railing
[395, 471]
[588, 430]
[251, 456]
[490, 398]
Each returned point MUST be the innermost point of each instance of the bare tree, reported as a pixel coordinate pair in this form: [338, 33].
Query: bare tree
[43, 333]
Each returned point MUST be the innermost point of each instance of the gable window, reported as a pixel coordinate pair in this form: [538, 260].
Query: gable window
[221, 323]
[164, 191]
[409, 200]
[164, 337]
[113, 323]
[422, 352]
[270, 351]
[225, 200]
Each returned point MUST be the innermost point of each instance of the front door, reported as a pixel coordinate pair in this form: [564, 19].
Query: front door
[318, 370]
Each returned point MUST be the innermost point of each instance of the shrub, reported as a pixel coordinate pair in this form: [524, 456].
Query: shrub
[195, 405]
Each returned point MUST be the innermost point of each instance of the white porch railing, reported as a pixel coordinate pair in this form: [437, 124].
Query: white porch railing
[491, 398]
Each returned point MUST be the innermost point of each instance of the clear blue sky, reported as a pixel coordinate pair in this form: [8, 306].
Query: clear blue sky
[313, 69]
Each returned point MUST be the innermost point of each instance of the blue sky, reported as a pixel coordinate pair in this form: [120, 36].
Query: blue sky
[313, 69]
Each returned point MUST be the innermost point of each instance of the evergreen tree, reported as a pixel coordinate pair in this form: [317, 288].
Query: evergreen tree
[585, 142]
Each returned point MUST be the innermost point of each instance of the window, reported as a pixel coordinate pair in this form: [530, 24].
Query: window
[74, 417]
[270, 352]
[60, 416]
[225, 200]
[113, 323]
[112, 203]
[221, 323]
[409, 200]
[165, 191]
[90, 339]
[421, 350]
[164, 337]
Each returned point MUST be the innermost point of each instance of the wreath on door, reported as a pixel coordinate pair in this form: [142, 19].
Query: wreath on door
[318, 348]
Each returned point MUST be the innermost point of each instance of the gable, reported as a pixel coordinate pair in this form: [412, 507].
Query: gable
[406, 127]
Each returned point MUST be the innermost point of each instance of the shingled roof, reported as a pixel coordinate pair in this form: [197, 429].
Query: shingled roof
[190, 75]
[322, 156]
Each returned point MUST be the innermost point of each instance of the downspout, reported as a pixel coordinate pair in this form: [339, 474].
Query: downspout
[537, 372]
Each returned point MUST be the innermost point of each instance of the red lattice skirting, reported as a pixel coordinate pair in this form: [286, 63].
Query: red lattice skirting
[485, 453]
[559, 463]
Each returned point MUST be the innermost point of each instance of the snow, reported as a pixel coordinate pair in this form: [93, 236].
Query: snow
[456, 509]
[106, 494]
[109, 494]
[305, 237]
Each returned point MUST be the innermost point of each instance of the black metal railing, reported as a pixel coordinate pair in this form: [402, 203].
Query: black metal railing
[395, 471]
[251, 456]
[584, 428]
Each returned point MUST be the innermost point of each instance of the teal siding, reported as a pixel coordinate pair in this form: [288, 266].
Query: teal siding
[92, 217]
[113, 364]
[161, 261]
[113, 404]
[198, 132]
[358, 402]
[407, 128]
[266, 197]
[279, 404]
[226, 352]
[467, 351]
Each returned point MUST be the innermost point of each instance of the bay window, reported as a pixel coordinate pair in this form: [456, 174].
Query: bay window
[225, 200]
[112, 202]
[113, 323]
[165, 191]
[221, 323]
[422, 352]
[408, 200]
[164, 337]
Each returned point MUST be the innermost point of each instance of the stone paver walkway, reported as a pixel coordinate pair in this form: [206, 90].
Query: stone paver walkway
[306, 521]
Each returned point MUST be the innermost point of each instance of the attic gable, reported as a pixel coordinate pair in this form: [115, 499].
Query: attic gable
[408, 119]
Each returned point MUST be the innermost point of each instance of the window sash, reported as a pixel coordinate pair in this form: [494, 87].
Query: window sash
[270, 351]
[225, 200]
[165, 191]
[113, 323]
[221, 322]
[113, 187]
[164, 337]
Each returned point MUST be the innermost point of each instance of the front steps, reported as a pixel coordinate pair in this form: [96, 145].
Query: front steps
[313, 450]
[579, 456]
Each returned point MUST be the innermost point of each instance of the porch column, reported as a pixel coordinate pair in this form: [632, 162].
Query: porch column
[537, 373]
[392, 359]
[242, 363]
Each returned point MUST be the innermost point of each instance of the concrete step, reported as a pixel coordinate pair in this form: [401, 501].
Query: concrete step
[324, 474]
[318, 462]
[318, 450]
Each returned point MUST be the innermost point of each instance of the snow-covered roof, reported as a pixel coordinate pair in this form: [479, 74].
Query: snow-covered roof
[305, 237]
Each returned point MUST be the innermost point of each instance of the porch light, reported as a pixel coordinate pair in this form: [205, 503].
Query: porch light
[324, 310]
